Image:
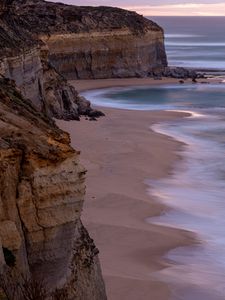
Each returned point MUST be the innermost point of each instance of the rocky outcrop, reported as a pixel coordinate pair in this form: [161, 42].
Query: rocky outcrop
[41, 196]
[25, 59]
[42, 44]
[181, 73]
[89, 42]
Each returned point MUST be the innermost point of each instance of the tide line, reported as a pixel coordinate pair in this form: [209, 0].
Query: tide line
[193, 114]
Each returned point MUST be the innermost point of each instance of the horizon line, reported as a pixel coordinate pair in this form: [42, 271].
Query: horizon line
[180, 16]
[189, 9]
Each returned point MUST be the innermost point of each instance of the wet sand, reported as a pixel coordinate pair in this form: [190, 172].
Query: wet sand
[82, 85]
[120, 152]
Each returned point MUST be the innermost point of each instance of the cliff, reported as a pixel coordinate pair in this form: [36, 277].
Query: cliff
[24, 58]
[43, 244]
[42, 44]
[41, 197]
[95, 42]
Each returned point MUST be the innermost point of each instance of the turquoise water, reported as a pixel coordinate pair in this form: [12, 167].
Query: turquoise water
[196, 189]
[171, 96]
[197, 42]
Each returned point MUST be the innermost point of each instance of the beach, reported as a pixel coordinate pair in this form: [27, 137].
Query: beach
[120, 152]
[112, 150]
[84, 85]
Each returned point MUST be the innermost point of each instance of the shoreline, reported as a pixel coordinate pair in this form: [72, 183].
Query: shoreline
[120, 152]
[92, 84]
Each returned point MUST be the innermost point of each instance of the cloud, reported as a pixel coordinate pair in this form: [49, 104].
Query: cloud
[161, 7]
[134, 2]
[192, 9]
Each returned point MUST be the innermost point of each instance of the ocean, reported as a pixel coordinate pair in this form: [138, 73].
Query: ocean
[196, 42]
[195, 191]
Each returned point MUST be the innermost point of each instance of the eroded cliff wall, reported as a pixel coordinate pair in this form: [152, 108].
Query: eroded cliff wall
[41, 41]
[96, 42]
[106, 54]
[41, 196]
[41, 181]
[25, 59]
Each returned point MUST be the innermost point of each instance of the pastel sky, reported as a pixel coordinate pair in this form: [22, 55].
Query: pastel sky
[161, 7]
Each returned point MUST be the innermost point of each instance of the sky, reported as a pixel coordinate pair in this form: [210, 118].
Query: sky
[161, 7]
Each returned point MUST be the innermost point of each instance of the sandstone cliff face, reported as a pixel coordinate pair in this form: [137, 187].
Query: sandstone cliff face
[41, 196]
[25, 59]
[107, 54]
[41, 41]
[41, 181]
[103, 42]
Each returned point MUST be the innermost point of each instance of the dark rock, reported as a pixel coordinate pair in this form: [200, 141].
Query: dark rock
[92, 119]
[95, 114]
[179, 73]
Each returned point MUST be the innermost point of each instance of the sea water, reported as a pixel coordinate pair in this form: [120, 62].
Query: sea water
[196, 189]
[196, 42]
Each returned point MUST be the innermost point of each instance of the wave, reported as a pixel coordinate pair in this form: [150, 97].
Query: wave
[193, 114]
[192, 44]
[203, 64]
[195, 191]
[178, 35]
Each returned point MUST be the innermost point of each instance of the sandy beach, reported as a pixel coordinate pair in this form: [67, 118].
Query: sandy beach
[83, 85]
[120, 152]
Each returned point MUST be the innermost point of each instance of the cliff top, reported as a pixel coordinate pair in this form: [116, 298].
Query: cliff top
[21, 21]
[47, 17]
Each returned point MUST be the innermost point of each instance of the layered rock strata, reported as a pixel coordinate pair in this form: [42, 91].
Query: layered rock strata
[44, 43]
[24, 58]
[42, 188]
[95, 42]
[41, 196]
